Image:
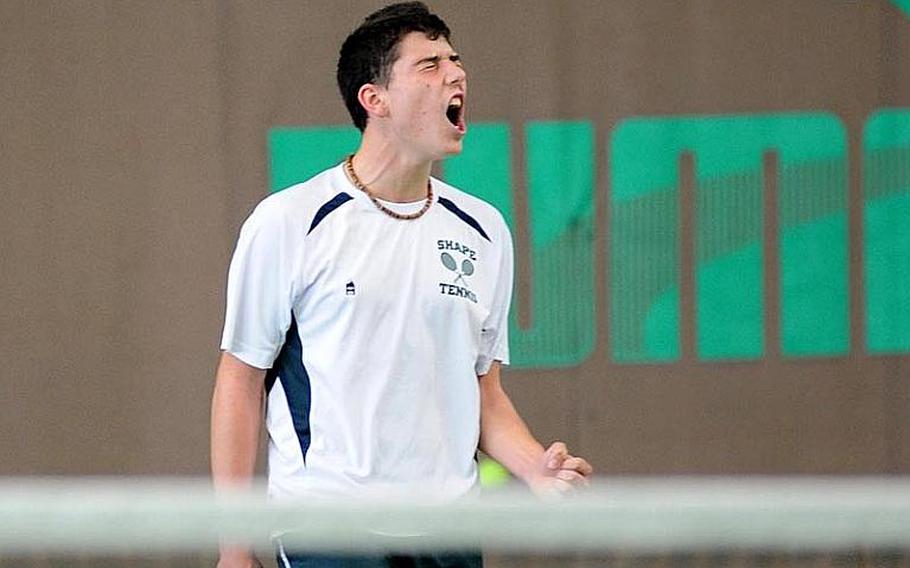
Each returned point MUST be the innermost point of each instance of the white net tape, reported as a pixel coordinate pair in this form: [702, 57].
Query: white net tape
[625, 515]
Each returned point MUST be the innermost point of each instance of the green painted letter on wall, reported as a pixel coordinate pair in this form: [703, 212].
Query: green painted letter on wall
[729, 252]
[886, 228]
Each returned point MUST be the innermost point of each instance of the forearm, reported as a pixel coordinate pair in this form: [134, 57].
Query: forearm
[236, 420]
[504, 436]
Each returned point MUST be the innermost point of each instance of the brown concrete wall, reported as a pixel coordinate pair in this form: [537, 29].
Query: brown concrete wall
[133, 144]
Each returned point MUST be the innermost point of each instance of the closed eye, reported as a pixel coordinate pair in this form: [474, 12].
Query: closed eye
[428, 63]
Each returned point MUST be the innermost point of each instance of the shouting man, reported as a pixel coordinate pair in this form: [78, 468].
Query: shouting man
[370, 306]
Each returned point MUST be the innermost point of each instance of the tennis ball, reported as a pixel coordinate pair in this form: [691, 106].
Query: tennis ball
[492, 474]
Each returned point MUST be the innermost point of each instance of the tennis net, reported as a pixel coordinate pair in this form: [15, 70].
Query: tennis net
[617, 522]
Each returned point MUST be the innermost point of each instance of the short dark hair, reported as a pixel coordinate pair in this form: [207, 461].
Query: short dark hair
[367, 55]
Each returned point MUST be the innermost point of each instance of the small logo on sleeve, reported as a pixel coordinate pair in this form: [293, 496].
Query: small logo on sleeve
[349, 289]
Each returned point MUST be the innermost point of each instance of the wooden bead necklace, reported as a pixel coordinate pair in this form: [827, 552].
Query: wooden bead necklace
[349, 167]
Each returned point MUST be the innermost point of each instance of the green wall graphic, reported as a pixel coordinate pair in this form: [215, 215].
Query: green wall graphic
[729, 275]
[903, 5]
[886, 228]
[729, 223]
[297, 154]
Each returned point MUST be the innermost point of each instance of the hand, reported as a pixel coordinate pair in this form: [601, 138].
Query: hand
[560, 472]
[238, 559]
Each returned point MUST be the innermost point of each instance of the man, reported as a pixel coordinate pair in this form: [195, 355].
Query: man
[370, 303]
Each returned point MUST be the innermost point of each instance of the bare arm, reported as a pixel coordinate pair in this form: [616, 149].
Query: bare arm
[505, 437]
[236, 419]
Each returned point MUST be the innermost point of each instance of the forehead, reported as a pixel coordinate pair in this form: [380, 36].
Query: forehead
[414, 46]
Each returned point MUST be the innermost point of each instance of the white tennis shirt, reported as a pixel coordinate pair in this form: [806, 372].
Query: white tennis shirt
[374, 330]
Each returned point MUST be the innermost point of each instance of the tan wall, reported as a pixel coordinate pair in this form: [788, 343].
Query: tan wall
[132, 145]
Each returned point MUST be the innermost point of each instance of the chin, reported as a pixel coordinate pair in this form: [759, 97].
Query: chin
[443, 149]
[453, 149]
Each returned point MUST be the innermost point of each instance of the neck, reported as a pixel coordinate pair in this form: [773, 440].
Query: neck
[390, 173]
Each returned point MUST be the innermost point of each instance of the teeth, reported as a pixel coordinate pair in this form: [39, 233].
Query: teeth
[457, 102]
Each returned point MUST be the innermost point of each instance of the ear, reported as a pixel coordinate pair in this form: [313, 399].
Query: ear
[373, 99]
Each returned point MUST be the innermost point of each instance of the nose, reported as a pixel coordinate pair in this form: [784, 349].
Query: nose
[455, 74]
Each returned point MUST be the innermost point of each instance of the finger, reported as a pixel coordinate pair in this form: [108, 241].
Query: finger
[555, 455]
[572, 477]
[580, 465]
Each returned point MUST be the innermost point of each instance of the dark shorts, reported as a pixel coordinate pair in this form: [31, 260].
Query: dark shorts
[448, 560]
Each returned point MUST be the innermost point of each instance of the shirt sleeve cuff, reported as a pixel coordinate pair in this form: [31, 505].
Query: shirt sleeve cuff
[259, 358]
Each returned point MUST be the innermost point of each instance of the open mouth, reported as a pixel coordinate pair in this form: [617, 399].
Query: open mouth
[455, 112]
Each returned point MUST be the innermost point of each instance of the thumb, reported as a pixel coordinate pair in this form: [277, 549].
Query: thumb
[555, 455]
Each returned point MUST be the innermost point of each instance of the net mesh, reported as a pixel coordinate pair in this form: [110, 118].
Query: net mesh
[707, 522]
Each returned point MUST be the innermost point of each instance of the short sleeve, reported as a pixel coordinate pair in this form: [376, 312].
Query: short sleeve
[494, 336]
[260, 288]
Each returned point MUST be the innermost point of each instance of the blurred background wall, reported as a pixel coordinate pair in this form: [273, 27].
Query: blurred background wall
[710, 201]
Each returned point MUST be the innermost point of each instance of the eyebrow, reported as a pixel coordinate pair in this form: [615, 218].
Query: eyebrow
[437, 58]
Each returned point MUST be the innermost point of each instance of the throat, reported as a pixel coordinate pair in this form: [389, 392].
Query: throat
[400, 194]
[390, 180]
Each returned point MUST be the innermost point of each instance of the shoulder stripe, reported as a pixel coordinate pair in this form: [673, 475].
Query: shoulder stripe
[448, 204]
[328, 207]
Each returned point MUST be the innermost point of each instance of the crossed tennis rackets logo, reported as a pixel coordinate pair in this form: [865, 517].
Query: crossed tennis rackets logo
[468, 265]
[466, 268]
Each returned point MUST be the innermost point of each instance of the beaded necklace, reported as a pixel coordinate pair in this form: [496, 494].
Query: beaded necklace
[349, 167]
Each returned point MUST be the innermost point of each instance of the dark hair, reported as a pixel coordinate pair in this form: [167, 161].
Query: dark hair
[368, 54]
